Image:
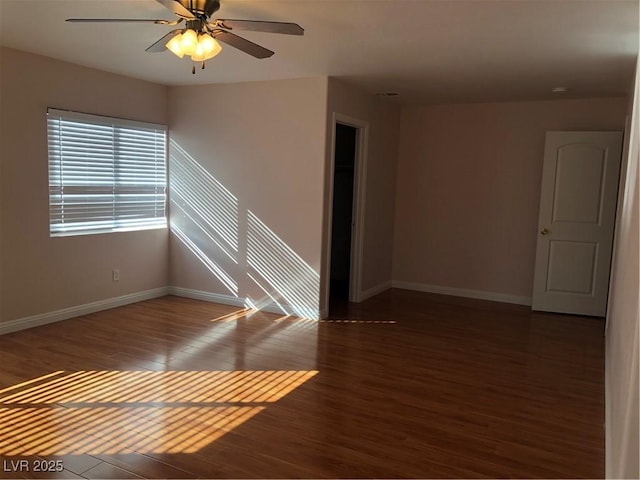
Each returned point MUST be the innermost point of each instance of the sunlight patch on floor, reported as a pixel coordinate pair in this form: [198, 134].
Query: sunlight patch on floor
[93, 412]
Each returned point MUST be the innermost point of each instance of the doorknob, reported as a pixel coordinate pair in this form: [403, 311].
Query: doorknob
[545, 231]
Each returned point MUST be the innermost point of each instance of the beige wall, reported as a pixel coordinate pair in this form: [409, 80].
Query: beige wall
[383, 120]
[623, 316]
[468, 190]
[40, 274]
[247, 172]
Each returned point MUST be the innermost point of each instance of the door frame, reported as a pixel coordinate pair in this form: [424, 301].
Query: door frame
[358, 211]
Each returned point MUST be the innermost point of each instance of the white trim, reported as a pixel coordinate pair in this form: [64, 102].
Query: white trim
[271, 307]
[461, 292]
[71, 312]
[359, 203]
[288, 310]
[206, 296]
[104, 120]
[373, 291]
[608, 467]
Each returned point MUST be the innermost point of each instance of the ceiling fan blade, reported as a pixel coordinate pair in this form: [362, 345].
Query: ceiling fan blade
[177, 8]
[243, 44]
[160, 45]
[260, 26]
[120, 20]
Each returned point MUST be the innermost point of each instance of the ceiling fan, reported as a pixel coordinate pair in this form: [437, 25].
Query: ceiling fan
[200, 35]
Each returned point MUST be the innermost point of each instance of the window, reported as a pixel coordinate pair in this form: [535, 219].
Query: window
[105, 174]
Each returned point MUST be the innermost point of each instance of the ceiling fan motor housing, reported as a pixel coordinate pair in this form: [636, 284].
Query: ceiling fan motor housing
[196, 25]
[201, 7]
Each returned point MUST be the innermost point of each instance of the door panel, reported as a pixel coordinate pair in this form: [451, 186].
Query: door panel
[572, 266]
[578, 188]
[576, 222]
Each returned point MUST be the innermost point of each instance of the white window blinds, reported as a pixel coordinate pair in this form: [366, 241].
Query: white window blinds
[105, 174]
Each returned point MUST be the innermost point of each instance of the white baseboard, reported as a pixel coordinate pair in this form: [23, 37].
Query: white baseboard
[461, 292]
[270, 307]
[311, 314]
[370, 292]
[76, 311]
[206, 296]
[71, 312]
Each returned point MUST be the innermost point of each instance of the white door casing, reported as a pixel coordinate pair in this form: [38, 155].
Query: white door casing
[359, 207]
[576, 222]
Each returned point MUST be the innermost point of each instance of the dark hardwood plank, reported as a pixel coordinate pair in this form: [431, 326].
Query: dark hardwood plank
[106, 470]
[404, 385]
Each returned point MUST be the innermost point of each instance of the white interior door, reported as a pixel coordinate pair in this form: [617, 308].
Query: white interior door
[576, 222]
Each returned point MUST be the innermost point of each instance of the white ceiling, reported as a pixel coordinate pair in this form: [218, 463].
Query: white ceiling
[426, 50]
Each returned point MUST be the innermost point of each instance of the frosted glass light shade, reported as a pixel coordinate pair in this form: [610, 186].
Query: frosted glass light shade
[210, 46]
[189, 42]
[198, 56]
[207, 48]
[174, 45]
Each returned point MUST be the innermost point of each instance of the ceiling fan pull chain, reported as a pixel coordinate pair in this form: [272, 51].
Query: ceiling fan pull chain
[193, 69]
[203, 65]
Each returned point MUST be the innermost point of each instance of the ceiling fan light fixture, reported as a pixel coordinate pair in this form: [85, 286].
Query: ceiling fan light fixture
[174, 45]
[199, 38]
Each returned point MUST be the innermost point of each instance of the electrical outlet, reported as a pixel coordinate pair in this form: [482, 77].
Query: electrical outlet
[115, 275]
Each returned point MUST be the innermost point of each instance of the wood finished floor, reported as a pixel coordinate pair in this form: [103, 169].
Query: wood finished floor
[404, 385]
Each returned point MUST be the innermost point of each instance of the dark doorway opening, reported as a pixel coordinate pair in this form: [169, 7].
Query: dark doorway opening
[342, 219]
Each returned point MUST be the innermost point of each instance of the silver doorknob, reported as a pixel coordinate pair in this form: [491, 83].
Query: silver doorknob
[545, 231]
